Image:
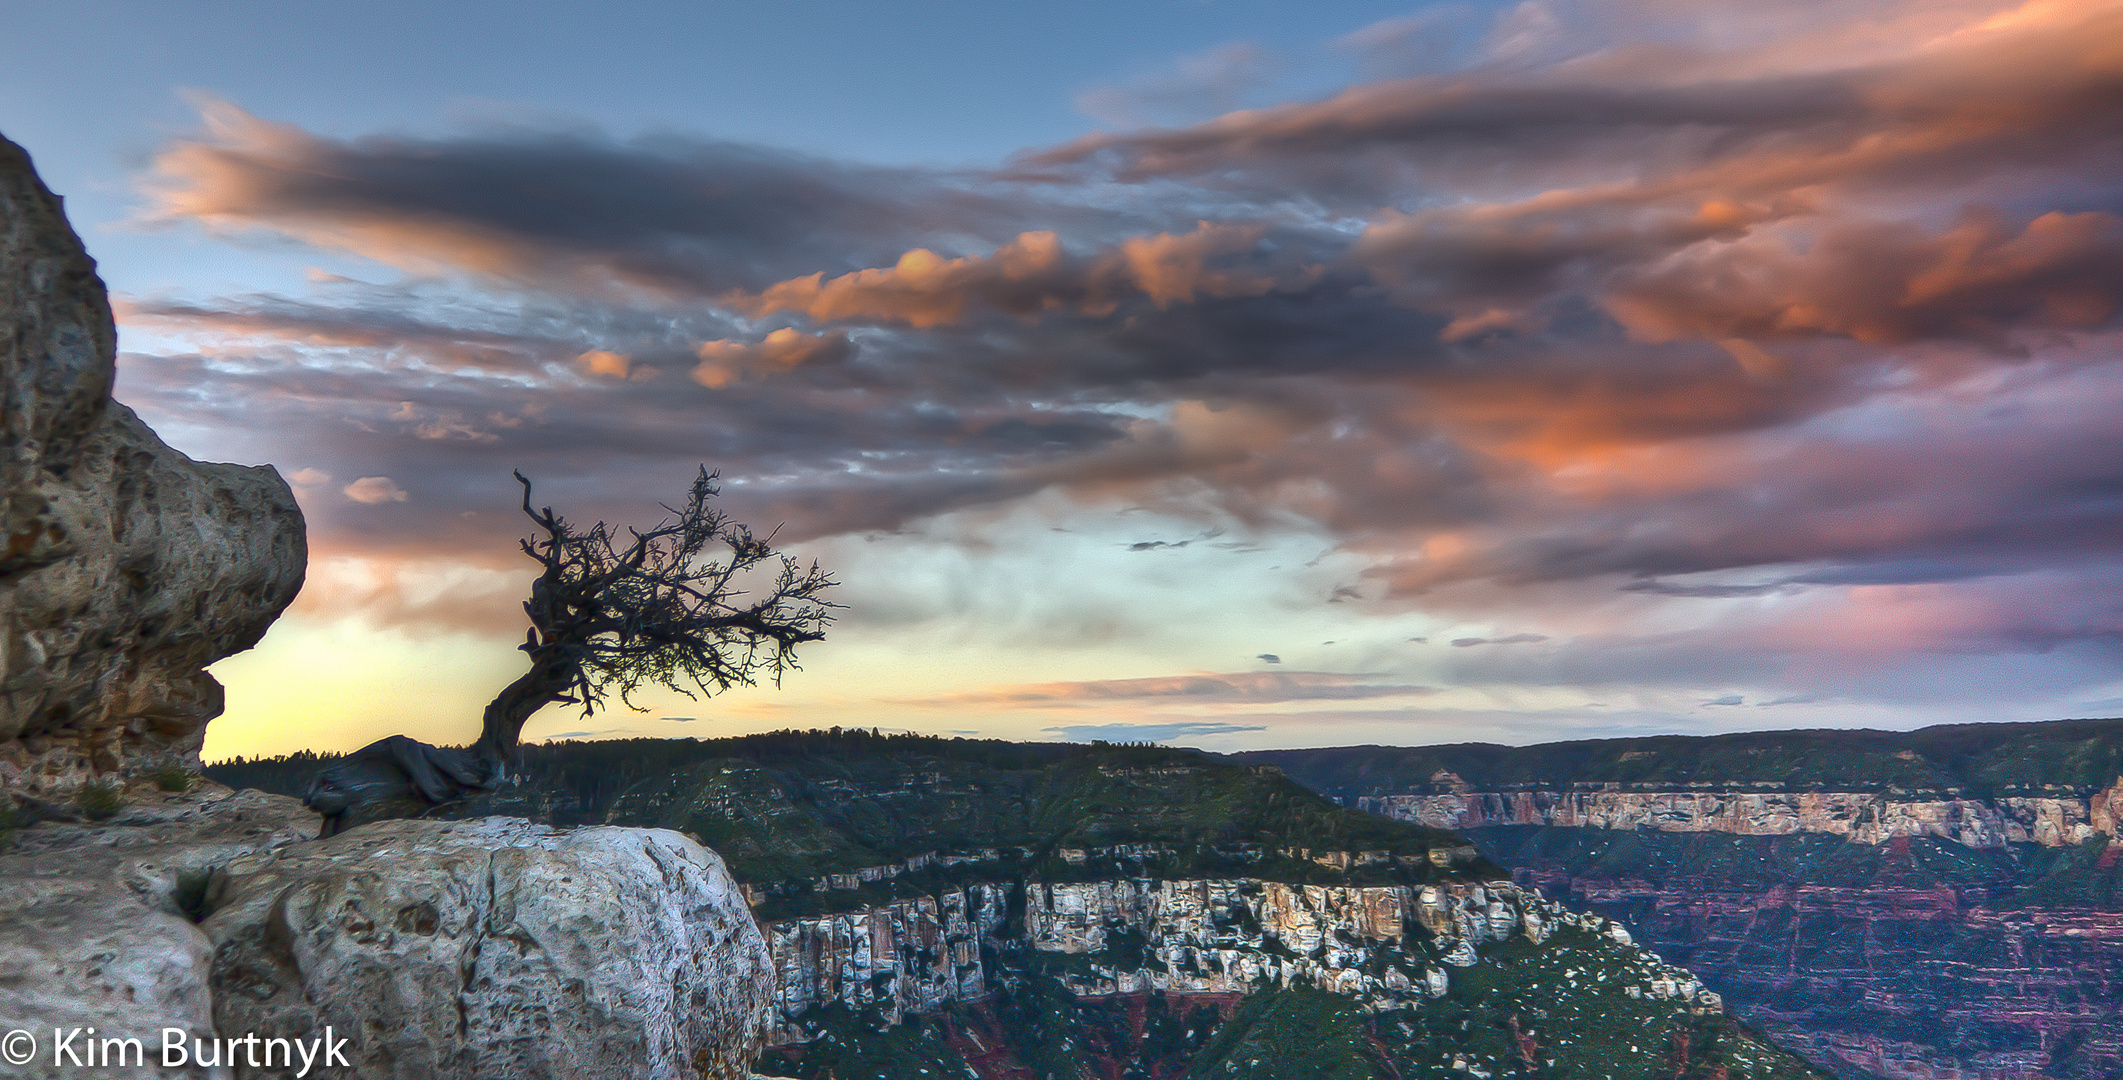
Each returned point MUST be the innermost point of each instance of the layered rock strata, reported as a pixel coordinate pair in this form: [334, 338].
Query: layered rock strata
[1861, 817]
[1938, 968]
[914, 955]
[127, 567]
[1443, 858]
[1941, 982]
[1945, 904]
[1386, 947]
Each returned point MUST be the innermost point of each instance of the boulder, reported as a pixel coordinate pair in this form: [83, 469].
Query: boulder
[495, 947]
[94, 919]
[126, 567]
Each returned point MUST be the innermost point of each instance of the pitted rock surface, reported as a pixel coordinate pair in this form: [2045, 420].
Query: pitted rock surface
[126, 567]
[94, 930]
[496, 947]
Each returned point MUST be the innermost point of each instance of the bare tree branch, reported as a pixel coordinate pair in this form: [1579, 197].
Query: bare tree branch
[663, 609]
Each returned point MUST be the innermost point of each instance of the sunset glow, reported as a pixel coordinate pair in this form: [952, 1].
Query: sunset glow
[1500, 373]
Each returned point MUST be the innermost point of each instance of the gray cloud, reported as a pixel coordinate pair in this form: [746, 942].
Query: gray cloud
[1526, 328]
[1149, 732]
[1236, 687]
[1513, 639]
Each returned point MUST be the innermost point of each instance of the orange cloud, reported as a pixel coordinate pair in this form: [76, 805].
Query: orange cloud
[923, 289]
[603, 364]
[1883, 283]
[723, 361]
[251, 172]
[1027, 276]
[1171, 269]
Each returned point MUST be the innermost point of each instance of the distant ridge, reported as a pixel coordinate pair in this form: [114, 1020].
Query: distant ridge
[1981, 760]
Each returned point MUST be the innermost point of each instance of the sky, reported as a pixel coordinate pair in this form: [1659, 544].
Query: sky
[1199, 371]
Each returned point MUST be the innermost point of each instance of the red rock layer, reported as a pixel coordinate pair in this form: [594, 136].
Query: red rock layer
[1906, 983]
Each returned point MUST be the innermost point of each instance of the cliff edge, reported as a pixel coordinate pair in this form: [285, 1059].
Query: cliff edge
[128, 567]
[192, 932]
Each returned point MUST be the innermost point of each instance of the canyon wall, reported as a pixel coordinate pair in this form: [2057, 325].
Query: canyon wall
[1385, 947]
[1937, 934]
[1883, 980]
[1861, 817]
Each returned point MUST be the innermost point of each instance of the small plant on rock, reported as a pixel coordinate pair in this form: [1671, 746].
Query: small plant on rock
[99, 799]
[171, 776]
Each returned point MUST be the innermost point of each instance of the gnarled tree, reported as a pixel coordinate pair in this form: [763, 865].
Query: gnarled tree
[697, 603]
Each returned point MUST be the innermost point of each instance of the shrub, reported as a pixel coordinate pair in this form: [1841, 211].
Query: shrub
[99, 799]
[171, 776]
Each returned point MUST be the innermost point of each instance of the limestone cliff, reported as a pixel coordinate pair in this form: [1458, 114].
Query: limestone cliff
[127, 567]
[1384, 947]
[1864, 817]
[1944, 904]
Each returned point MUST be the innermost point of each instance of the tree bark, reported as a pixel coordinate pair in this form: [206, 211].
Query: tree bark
[548, 681]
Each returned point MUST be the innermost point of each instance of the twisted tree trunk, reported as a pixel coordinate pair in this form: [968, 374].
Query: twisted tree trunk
[548, 681]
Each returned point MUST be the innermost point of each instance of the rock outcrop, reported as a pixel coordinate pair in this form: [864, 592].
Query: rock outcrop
[414, 949]
[127, 567]
[495, 948]
[95, 927]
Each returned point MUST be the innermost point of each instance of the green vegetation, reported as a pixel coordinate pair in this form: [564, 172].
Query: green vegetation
[1578, 1005]
[1730, 860]
[797, 805]
[1565, 1008]
[1298, 1034]
[1973, 759]
[99, 799]
[855, 1045]
[171, 776]
[788, 808]
[2089, 875]
[1040, 1020]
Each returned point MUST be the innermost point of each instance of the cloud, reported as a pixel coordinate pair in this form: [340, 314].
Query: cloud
[602, 363]
[589, 734]
[1235, 687]
[1782, 335]
[1031, 275]
[375, 489]
[723, 361]
[1269, 658]
[1149, 732]
[1514, 639]
[1213, 82]
[670, 215]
